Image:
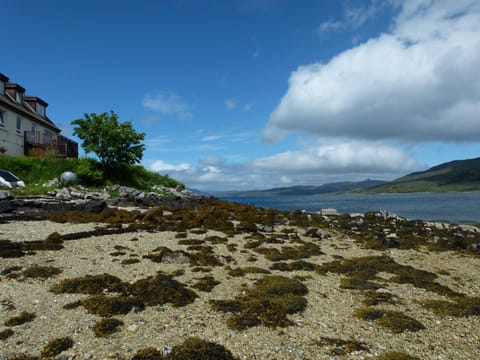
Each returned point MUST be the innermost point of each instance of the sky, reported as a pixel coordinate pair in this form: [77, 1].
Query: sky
[255, 94]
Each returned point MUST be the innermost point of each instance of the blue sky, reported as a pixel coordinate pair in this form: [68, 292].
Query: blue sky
[250, 94]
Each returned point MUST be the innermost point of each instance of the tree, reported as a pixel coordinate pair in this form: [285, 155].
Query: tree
[114, 143]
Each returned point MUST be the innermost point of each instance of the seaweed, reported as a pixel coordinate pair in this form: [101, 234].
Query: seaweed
[340, 345]
[395, 355]
[23, 318]
[196, 348]
[358, 284]
[108, 306]
[303, 251]
[149, 353]
[206, 284]
[373, 298]
[293, 266]
[238, 272]
[56, 346]
[43, 272]
[267, 303]
[5, 334]
[89, 284]
[395, 321]
[462, 307]
[129, 261]
[107, 327]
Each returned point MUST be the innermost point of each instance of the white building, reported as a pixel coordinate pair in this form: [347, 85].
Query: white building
[25, 129]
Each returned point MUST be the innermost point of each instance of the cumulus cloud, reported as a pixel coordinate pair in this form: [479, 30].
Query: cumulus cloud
[313, 165]
[420, 82]
[350, 157]
[161, 167]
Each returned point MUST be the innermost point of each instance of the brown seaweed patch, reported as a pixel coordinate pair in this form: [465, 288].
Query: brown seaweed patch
[462, 307]
[341, 346]
[23, 318]
[373, 298]
[206, 283]
[395, 321]
[56, 346]
[303, 251]
[395, 355]
[149, 353]
[89, 284]
[196, 348]
[267, 303]
[366, 268]
[190, 242]
[358, 284]
[43, 272]
[238, 272]
[129, 261]
[108, 306]
[293, 266]
[5, 334]
[107, 327]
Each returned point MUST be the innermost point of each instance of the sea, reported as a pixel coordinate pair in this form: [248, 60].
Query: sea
[458, 208]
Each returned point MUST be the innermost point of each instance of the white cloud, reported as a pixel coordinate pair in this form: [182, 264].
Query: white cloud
[230, 104]
[248, 107]
[212, 160]
[161, 167]
[418, 83]
[337, 158]
[165, 103]
[210, 138]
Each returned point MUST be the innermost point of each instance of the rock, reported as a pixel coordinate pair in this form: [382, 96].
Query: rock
[95, 206]
[5, 271]
[6, 206]
[53, 182]
[175, 257]
[68, 177]
[329, 212]
[5, 195]
[265, 228]
[391, 241]
[132, 328]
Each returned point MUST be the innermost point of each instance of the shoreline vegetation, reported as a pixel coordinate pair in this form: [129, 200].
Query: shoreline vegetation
[211, 279]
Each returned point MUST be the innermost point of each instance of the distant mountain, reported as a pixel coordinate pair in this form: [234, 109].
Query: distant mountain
[309, 190]
[458, 175]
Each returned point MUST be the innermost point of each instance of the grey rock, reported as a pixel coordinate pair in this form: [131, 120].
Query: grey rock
[5, 271]
[329, 212]
[175, 257]
[5, 195]
[68, 177]
[6, 206]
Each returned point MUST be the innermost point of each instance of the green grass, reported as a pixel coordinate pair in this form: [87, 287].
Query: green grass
[37, 171]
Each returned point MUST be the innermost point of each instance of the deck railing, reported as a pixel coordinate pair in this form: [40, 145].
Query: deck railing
[42, 144]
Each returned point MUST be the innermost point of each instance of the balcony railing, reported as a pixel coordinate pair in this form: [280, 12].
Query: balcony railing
[42, 144]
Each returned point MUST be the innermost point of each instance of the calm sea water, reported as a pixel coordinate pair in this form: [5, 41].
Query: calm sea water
[446, 207]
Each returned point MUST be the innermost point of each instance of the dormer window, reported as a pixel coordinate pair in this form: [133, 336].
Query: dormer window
[40, 109]
[2, 88]
[18, 97]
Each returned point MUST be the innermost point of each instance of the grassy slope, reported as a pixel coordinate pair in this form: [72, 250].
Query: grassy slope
[458, 175]
[36, 171]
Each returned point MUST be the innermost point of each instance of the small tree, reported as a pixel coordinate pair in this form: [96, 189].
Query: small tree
[114, 143]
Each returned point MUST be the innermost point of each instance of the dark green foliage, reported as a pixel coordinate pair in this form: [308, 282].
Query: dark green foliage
[462, 307]
[206, 284]
[106, 327]
[56, 346]
[5, 334]
[394, 321]
[23, 318]
[90, 284]
[114, 143]
[267, 303]
[43, 272]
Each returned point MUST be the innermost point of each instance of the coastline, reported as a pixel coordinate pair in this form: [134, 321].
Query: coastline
[233, 237]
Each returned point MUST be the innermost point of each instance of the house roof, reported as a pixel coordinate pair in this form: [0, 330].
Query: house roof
[3, 78]
[27, 111]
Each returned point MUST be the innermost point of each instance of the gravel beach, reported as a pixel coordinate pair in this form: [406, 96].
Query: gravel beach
[323, 330]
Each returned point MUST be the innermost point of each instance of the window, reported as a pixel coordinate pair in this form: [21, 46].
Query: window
[3, 116]
[18, 97]
[40, 109]
[19, 125]
[2, 88]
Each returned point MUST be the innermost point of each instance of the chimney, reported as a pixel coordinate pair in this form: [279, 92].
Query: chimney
[15, 91]
[37, 105]
[3, 81]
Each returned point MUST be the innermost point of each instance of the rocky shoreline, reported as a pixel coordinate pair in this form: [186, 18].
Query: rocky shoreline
[117, 278]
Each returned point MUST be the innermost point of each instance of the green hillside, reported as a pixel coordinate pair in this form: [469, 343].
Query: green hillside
[458, 175]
